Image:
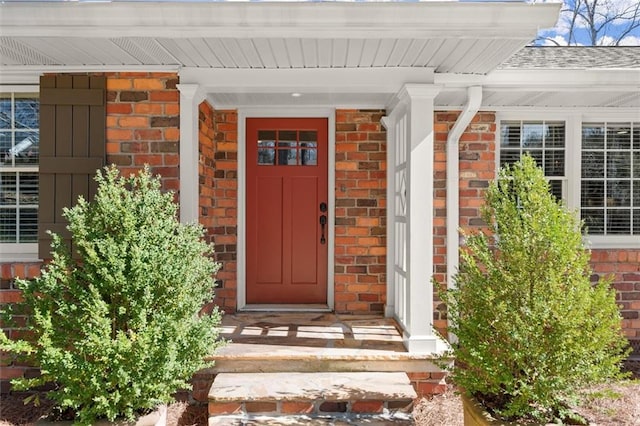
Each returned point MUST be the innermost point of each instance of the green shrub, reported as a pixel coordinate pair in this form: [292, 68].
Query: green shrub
[531, 327]
[120, 328]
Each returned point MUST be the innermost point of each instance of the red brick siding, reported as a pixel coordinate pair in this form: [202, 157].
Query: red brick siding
[360, 215]
[428, 383]
[143, 124]
[12, 367]
[218, 170]
[477, 169]
[624, 267]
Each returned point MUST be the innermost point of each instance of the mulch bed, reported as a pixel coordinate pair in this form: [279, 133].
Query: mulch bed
[13, 412]
[610, 405]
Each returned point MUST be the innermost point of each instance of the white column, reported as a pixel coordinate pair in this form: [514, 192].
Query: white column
[190, 98]
[390, 309]
[418, 334]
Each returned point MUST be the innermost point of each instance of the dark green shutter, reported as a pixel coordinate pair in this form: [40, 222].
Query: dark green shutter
[72, 148]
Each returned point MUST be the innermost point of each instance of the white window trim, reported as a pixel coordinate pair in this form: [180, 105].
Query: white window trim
[19, 252]
[573, 148]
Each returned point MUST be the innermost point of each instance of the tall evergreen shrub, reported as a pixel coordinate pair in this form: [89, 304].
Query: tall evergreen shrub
[531, 326]
[120, 327]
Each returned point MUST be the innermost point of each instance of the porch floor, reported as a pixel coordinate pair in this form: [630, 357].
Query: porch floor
[315, 342]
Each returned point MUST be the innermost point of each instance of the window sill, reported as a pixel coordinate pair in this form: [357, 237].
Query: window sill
[622, 242]
[19, 253]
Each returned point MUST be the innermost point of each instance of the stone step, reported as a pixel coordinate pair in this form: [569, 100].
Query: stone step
[318, 396]
[397, 419]
[255, 357]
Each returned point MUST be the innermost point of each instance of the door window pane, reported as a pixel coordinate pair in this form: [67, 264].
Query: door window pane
[266, 152]
[309, 154]
[287, 148]
[287, 153]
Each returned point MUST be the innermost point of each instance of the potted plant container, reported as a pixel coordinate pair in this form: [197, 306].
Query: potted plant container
[531, 326]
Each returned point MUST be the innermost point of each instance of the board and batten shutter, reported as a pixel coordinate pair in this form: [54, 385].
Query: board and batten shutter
[72, 148]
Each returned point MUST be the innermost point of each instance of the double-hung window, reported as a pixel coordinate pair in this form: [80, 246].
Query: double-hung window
[19, 154]
[610, 178]
[592, 163]
[543, 140]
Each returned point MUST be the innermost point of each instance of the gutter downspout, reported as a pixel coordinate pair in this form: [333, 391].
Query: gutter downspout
[474, 100]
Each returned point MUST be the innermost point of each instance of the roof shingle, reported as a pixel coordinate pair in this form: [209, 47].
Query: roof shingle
[574, 57]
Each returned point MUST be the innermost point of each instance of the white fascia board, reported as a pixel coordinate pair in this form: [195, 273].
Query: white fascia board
[615, 113]
[32, 72]
[544, 79]
[458, 81]
[308, 19]
[564, 80]
[306, 80]
[18, 77]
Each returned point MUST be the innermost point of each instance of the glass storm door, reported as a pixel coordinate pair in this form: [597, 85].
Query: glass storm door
[287, 217]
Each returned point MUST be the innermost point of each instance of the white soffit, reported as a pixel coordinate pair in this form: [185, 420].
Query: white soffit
[340, 87]
[451, 37]
[546, 89]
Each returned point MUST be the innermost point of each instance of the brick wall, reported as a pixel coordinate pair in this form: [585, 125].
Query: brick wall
[624, 267]
[360, 233]
[428, 383]
[477, 169]
[218, 170]
[11, 366]
[143, 118]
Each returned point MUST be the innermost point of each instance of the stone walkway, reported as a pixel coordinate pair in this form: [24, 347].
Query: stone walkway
[314, 330]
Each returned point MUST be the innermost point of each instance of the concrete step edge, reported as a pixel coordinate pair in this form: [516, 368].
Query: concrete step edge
[328, 386]
[313, 420]
[270, 365]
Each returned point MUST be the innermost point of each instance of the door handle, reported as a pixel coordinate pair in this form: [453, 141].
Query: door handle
[323, 222]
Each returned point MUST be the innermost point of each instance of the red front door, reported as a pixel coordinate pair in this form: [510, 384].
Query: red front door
[286, 205]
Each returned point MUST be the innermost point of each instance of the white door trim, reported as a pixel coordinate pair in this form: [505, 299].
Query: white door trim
[297, 112]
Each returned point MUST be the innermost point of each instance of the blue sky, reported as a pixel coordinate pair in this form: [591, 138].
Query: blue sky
[612, 19]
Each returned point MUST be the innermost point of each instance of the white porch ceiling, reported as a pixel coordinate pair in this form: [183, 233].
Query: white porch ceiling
[445, 55]
[334, 54]
[449, 37]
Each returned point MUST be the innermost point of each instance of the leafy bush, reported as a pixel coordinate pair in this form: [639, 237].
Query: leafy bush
[531, 327]
[120, 328]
